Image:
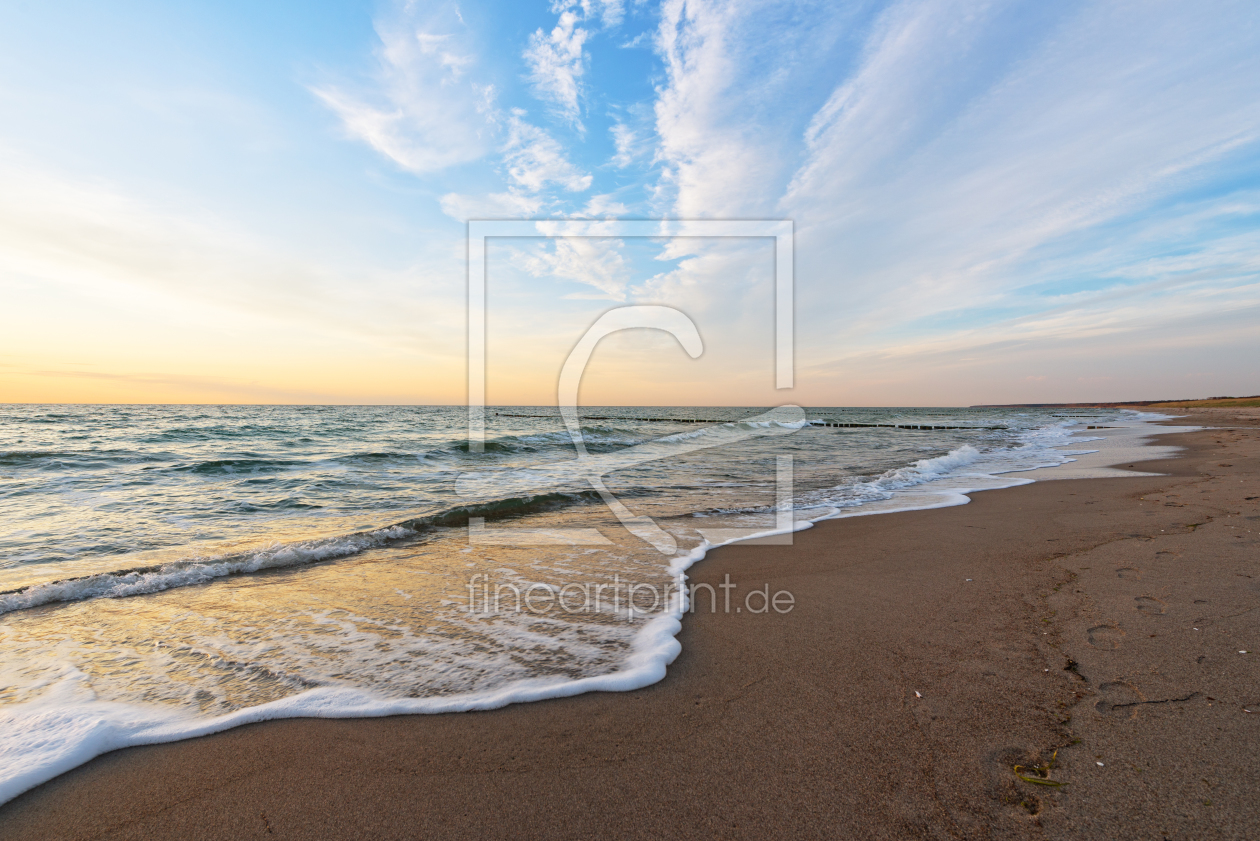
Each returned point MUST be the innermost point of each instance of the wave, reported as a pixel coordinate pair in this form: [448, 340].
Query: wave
[206, 433]
[144, 580]
[927, 469]
[248, 464]
[150, 579]
[22, 458]
[492, 446]
[375, 458]
[594, 435]
[80, 459]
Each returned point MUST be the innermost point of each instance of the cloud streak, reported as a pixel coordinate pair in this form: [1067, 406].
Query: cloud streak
[959, 163]
[425, 110]
[536, 160]
[57, 230]
[556, 64]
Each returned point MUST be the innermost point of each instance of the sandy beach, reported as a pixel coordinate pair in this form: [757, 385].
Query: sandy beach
[1059, 660]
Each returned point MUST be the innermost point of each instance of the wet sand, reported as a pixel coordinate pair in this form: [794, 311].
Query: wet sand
[927, 654]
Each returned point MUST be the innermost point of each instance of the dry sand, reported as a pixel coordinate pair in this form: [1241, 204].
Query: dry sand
[928, 653]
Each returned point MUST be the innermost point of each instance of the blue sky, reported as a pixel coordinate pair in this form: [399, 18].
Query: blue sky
[993, 202]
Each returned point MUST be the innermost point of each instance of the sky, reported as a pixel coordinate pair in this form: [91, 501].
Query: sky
[992, 202]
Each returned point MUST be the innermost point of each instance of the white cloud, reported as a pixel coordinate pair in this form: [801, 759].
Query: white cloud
[505, 205]
[708, 159]
[557, 61]
[625, 140]
[604, 205]
[556, 64]
[609, 12]
[643, 39]
[612, 12]
[423, 111]
[593, 261]
[535, 159]
[733, 84]
[967, 143]
[729, 278]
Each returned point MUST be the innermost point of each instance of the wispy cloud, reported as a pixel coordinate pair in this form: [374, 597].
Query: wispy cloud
[736, 77]
[425, 110]
[709, 162]
[61, 231]
[604, 204]
[506, 205]
[969, 145]
[557, 60]
[624, 140]
[536, 164]
[594, 262]
[535, 159]
[611, 12]
[556, 64]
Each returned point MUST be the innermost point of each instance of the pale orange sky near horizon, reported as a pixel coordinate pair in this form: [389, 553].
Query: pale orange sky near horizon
[100, 336]
[167, 350]
[136, 346]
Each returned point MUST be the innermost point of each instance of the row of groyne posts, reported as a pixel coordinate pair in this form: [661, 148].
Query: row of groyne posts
[706, 420]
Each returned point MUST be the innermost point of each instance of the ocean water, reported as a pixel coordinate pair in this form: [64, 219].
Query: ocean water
[168, 571]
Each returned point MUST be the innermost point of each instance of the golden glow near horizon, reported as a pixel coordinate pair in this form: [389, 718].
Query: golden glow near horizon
[138, 348]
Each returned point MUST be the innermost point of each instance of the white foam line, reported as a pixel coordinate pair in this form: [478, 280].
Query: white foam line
[114, 585]
[1119, 445]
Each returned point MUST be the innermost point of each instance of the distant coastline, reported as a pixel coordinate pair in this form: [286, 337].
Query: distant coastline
[1203, 403]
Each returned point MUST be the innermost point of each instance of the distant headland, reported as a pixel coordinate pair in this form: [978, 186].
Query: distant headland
[1208, 402]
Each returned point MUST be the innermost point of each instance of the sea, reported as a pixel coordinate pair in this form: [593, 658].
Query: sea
[172, 571]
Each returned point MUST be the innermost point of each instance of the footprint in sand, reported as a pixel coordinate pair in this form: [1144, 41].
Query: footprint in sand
[1119, 698]
[1150, 605]
[1105, 637]
[1129, 572]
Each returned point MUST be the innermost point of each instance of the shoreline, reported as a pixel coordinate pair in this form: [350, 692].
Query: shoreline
[854, 752]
